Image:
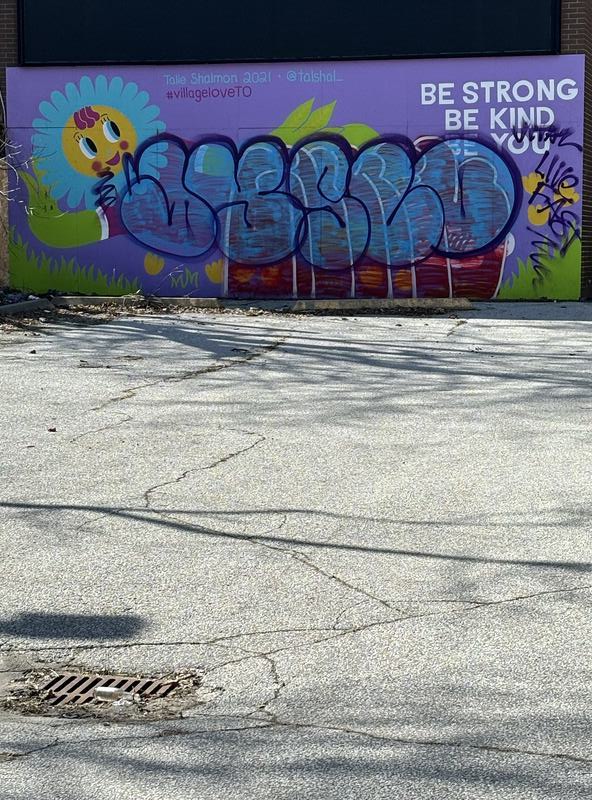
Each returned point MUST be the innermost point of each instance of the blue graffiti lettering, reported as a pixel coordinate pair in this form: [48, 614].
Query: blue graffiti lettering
[321, 199]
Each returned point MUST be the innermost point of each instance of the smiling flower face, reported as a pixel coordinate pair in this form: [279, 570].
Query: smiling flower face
[85, 131]
[95, 139]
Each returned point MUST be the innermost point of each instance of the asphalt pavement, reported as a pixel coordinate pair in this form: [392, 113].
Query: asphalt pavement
[371, 535]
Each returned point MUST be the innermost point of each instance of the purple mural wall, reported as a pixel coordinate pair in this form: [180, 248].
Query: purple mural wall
[451, 178]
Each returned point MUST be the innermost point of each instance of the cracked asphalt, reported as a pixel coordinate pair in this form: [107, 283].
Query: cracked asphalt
[370, 534]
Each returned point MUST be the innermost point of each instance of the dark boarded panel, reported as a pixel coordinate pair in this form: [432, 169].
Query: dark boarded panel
[137, 31]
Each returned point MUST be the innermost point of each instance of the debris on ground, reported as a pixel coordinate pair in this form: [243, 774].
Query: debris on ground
[34, 693]
[104, 311]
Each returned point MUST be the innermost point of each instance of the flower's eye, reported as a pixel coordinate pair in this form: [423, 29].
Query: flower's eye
[111, 131]
[88, 147]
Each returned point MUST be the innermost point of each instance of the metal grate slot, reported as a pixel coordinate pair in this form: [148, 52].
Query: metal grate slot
[69, 689]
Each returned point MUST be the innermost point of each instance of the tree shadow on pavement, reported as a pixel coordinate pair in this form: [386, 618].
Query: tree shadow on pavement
[80, 627]
[395, 368]
[156, 517]
[284, 761]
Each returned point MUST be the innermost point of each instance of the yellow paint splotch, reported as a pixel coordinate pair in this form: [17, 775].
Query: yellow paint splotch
[153, 263]
[215, 271]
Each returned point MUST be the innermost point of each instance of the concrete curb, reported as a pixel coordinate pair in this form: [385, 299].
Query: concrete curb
[75, 301]
[433, 305]
[423, 304]
[25, 306]
[443, 305]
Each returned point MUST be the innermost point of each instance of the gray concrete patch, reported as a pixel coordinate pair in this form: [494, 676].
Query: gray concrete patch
[26, 307]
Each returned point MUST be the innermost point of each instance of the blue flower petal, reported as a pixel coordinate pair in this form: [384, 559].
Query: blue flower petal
[129, 92]
[74, 196]
[101, 85]
[59, 189]
[47, 110]
[87, 91]
[42, 124]
[59, 101]
[116, 87]
[73, 96]
[142, 99]
[150, 113]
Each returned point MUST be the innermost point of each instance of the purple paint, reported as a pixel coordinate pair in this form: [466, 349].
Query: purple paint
[436, 221]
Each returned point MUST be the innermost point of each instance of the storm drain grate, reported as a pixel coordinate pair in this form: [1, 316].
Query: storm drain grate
[70, 688]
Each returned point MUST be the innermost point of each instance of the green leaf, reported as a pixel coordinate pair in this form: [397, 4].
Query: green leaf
[319, 118]
[299, 116]
[356, 133]
[303, 121]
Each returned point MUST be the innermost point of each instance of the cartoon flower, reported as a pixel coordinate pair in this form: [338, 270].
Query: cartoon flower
[215, 271]
[532, 182]
[539, 214]
[84, 132]
[566, 194]
[153, 263]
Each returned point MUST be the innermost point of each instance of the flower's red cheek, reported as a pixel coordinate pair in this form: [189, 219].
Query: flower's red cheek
[97, 166]
[124, 145]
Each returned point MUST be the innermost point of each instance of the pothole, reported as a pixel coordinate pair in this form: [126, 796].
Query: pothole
[80, 693]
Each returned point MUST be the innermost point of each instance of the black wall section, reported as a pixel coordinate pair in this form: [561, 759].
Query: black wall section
[135, 31]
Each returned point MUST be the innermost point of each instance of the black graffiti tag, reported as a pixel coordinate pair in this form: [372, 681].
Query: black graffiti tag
[543, 134]
[553, 197]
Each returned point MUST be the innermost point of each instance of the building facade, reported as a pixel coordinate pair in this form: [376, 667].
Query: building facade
[419, 177]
